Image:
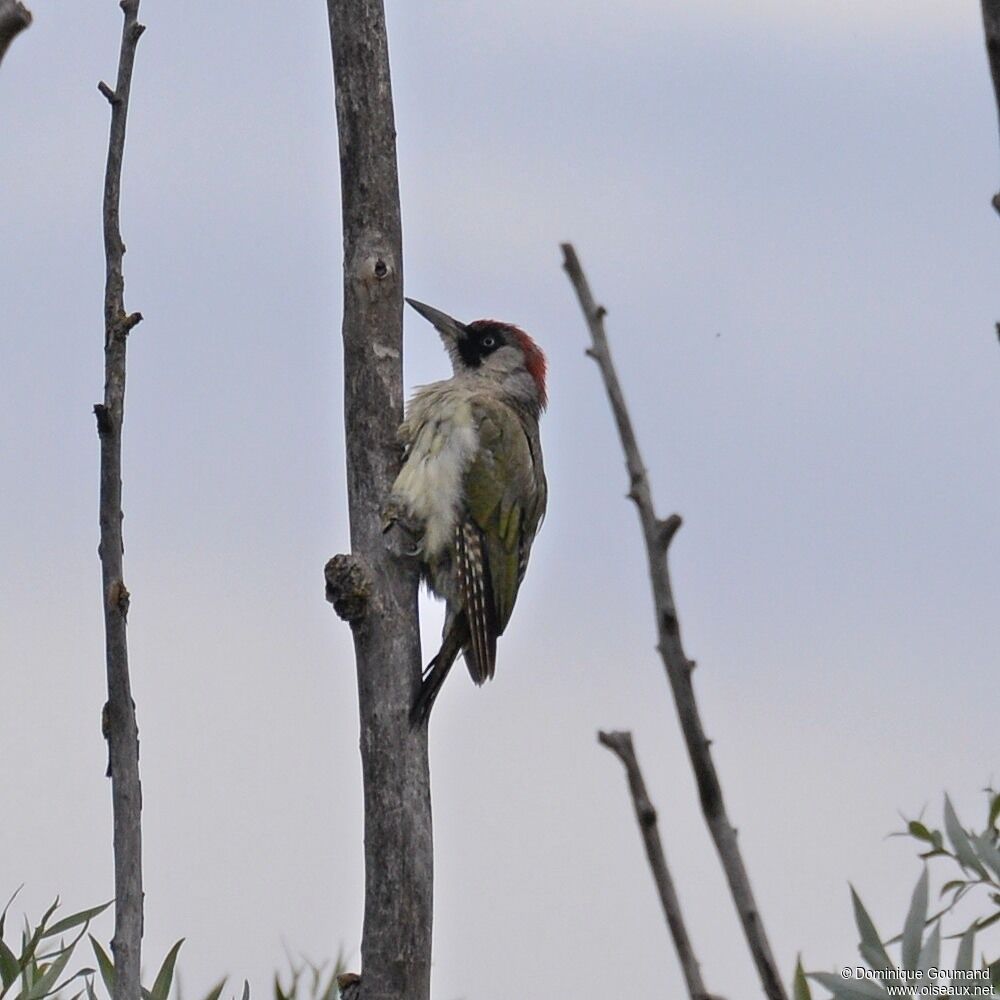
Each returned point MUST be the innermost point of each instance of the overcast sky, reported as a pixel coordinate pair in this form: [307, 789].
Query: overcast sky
[785, 210]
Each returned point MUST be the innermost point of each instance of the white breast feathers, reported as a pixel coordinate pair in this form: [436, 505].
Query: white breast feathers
[442, 441]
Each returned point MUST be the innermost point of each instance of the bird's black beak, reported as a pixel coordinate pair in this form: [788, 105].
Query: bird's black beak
[450, 329]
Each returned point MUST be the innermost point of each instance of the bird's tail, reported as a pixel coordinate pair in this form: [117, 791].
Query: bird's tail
[437, 670]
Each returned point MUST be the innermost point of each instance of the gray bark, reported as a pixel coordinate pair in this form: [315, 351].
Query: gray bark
[620, 744]
[14, 18]
[372, 588]
[120, 722]
[991, 28]
[657, 535]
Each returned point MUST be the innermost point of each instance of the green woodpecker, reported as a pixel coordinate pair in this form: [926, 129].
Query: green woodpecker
[472, 487]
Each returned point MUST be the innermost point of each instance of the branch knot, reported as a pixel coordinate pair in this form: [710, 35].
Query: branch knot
[348, 588]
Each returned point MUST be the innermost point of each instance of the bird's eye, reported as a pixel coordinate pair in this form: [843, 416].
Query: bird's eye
[489, 341]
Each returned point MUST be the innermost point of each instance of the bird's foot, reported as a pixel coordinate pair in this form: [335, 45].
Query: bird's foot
[408, 541]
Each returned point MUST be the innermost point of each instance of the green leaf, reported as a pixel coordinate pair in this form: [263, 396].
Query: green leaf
[951, 886]
[930, 954]
[161, 985]
[994, 969]
[994, 811]
[9, 966]
[246, 990]
[83, 917]
[216, 991]
[987, 921]
[913, 928]
[918, 830]
[987, 852]
[279, 993]
[105, 965]
[57, 988]
[91, 993]
[3, 913]
[960, 841]
[30, 943]
[964, 958]
[870, 936]
[800, 985]
[875, 959]
[48, 979]
[849, 989]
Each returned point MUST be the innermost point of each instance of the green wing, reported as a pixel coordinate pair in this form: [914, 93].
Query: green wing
[505, 495]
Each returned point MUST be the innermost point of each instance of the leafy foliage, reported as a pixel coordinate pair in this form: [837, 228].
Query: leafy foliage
[39, 967]
[975, 858]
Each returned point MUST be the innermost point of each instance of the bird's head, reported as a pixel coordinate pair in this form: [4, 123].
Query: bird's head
[498, 350]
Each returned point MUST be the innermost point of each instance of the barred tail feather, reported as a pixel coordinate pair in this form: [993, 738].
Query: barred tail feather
[476, 589]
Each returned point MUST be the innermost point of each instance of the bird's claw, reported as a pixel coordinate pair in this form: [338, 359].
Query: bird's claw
[395, 515]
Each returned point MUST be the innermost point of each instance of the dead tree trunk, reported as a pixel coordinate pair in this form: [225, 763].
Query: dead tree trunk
[372, 588]
[120, 724]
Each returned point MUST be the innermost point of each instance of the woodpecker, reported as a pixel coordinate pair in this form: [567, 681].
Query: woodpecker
[472, 488]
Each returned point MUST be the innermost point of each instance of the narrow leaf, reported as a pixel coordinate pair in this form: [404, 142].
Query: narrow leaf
[105, 965]
[987, 852]
[216, 991]
[875, 959]
[994, 969]
[83, 917]
[994, 811]
[800, 985]
[31, 944]
[963, 960]
[960, 841]
[161, 985]
[9, 967]
[918, 830]
[869, 936]
[913, 928]
[956, 883]
[987, 921]
[58, 987]
[930, 954]
[3, 913]
[48, 979]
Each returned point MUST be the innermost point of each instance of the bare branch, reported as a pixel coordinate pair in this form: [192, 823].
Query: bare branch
[120, 722]
[14, 18]
[396, 940]
[991, 28]
[620, 744]
[678, 667]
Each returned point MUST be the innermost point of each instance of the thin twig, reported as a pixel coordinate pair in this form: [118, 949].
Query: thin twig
[373, 589]
[658, 535]
[620, 744]
[14, 18]
[991, 28]
[121, 729]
